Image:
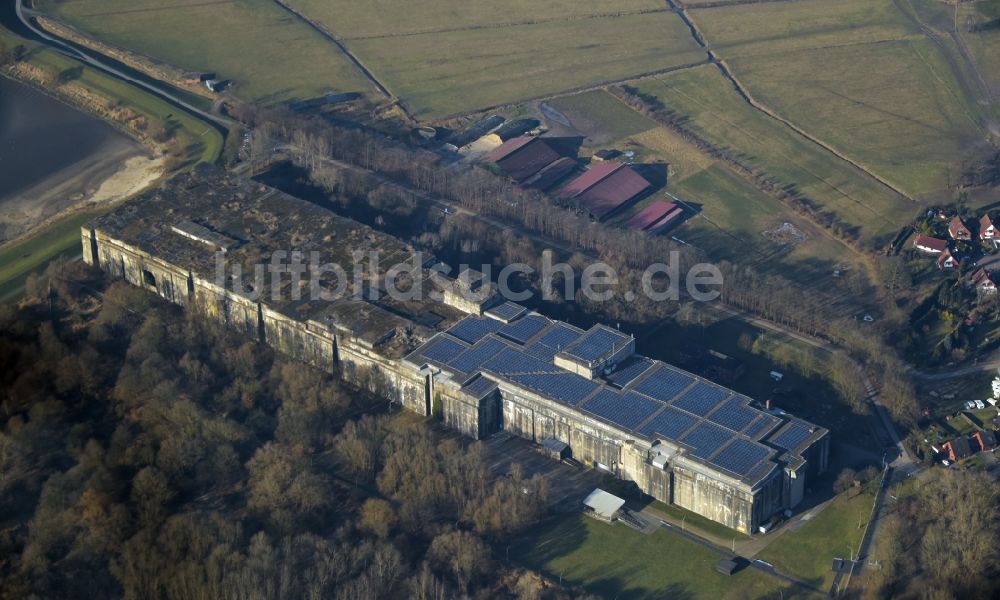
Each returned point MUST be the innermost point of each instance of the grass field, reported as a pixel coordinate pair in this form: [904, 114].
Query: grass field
[269, 54]
[462, 70]
[615, 561]
[835, 533]
[350, 19]
[904, 115]
[604, 118]
[715, 112]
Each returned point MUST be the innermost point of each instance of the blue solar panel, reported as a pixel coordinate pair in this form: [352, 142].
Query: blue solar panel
[473, 358]
[701, 399]
[706, 439]
[740, 457]
[629, 370]
[734, 414]
[627, 410]
[473, 329]
[596, 343]
[760, 426]
[664, 383]
[792, 436]
[552, 341]
[508, 311]
[564, 387]
[669, 424]
[479, 387]
[524, 328]
[442, 349]
[511, 361]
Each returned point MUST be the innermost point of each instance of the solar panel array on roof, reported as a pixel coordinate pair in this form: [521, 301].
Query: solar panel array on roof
[705, 439]
[664, 383]
[563, 386]
[473, 329]
[553, 340]
[441, 349]
[701, 399]
[479, 387]
[734, 414]
[627, 410]
[510, 361]
[629, 370]
[763, 424]
[793, 435]
[524, 328]
[597, 343]
[740, 457]
[670, 424]
[508, 311]
[473, 358]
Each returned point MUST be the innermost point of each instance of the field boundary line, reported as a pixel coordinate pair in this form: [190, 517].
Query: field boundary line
[745, 92]
[590, 87]
[541, 21]
[368, 73]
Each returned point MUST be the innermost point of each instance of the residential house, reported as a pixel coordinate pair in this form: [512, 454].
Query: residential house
[946, 260]
[985, 439]
[984, 281]
[957, 449]
[986, 229]
[958, 230]
[929, 244]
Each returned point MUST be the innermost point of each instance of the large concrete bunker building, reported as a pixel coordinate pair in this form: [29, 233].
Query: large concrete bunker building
[459, 353]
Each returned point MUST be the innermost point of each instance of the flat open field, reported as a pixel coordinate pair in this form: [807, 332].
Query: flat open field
[904, 115]
[615, 561]
[458, 70]
[350, 19]
[716, 113]
[269, 54]
[808, 553]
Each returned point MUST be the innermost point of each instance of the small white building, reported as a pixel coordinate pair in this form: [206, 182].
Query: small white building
[603, 505]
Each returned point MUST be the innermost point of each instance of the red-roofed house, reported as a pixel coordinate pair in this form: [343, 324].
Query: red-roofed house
[929, 244]
[957, 229]
[957, 449]
[946, 260]
[986, 229]
[986, 440]
[984, 281]
[605, 187]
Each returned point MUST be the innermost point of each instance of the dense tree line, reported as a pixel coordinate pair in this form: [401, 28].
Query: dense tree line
[148, 454]
[939, 541]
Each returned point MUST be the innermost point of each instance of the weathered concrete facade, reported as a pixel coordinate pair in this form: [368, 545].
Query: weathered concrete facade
[479, 367]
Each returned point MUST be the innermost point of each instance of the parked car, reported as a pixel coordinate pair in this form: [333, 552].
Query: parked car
[980, 404]
[968, 405]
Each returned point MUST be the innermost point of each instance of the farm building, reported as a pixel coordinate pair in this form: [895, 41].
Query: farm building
[605, 187]
[522, 157]
[958, 230]
[929, 244]
[483, 365]
[552, 174]
[656, 218]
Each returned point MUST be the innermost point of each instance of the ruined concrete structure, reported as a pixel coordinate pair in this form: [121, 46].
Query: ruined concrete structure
[458, 353]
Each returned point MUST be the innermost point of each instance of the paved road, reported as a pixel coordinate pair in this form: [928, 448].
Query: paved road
[26, 16]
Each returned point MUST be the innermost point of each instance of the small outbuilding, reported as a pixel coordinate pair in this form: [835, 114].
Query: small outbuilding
[727, 566]
[603, 505]
[554, 449]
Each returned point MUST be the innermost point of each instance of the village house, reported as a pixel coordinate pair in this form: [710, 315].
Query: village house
[985, 439]
[929, 244]
[946, 260]
[984, 281]
[957, 449]
[986, 229]
[958, 231]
